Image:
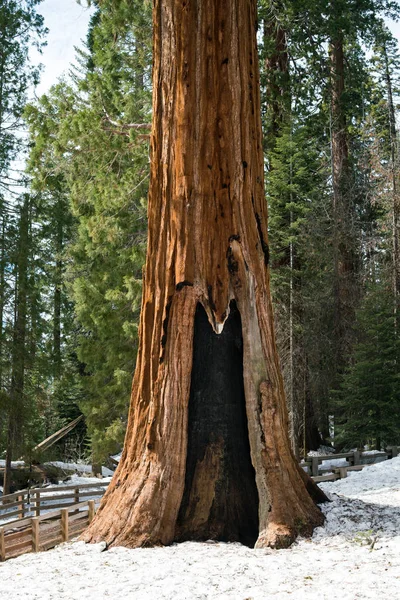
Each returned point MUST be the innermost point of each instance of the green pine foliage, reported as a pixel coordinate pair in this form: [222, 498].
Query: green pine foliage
[86, 134]
[368, 402]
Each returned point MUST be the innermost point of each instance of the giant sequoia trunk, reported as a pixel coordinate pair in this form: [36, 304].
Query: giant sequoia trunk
[207, 453]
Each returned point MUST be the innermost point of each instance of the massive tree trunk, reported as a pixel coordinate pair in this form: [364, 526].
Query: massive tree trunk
[207, 452]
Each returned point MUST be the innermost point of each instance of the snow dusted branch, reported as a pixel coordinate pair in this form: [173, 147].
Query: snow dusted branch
[123, 126]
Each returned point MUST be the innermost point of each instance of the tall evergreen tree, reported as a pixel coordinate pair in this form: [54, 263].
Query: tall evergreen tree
[368, 402]
[21, 28]
[94, 136]
[325, 97]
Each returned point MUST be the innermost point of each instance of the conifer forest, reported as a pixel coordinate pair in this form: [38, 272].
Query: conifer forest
[75, 168]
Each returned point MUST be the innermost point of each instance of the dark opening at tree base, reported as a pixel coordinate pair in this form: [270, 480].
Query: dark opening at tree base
[220, 500]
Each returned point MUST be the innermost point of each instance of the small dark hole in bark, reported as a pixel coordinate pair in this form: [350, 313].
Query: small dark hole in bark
[220, 500]
[225, 61]
[233, 266]
[165, 329]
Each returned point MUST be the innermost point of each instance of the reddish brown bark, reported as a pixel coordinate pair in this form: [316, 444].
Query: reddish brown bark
[207, 246]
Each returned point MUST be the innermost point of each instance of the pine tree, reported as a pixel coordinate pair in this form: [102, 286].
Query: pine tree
[325, 98]
[368, 403]
[21, 27]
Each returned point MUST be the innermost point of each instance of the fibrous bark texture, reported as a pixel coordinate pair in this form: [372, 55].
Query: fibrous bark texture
[207, 453]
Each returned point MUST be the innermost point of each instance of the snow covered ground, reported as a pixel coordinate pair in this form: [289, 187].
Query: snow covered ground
[356, 555]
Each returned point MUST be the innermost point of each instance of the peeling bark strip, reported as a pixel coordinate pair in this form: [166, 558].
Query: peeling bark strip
[175, 479]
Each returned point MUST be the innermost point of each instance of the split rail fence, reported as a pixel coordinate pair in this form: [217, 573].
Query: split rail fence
[45, 527]
[356, 462]
[34, 534]
[33, 502]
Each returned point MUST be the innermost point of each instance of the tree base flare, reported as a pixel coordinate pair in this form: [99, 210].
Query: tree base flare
[280, 536]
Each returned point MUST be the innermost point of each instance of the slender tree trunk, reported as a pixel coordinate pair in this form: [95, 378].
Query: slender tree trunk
[395, 192]
[291, 346]
[2, 297]
[16, 409]
[57, 302]
[278, 80]
[207, 380]
[343, 218]
[278, 111]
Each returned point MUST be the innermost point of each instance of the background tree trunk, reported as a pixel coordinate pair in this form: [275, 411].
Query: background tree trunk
[206, 276]
[16, 409]
[343, 214]
[395, 193]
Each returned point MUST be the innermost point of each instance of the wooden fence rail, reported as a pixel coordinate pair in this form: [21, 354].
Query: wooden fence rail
[34, 534]
[356, 461]
[36, 501]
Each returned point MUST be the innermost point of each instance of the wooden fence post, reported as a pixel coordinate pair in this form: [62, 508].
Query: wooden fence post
[22, 506]
[91, 510]
[35, 533]
[2, 545]
[37, 504]
[356, 458]
[343, 472]
[395, 451]
[314, 466]
[64, 524]
[76, 499]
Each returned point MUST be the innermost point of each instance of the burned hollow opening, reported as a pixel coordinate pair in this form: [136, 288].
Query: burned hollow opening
[220, 499]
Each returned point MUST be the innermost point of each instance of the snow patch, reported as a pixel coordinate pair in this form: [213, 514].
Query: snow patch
[356, 555]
